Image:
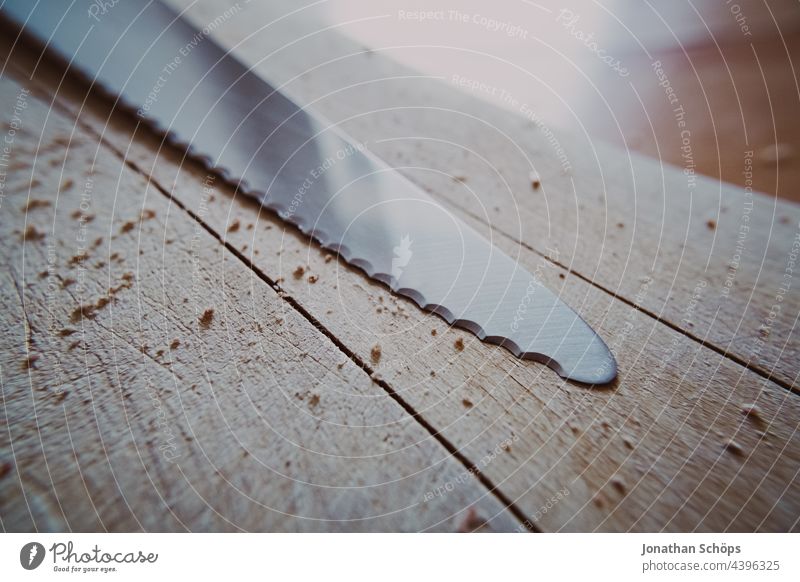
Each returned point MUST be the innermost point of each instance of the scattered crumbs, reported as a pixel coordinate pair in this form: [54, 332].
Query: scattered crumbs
[250, 226]
[752, 412]
[620, 225]
[619, 486]
[628, 444]
[207, 317]
[127, 227]
[764, 331]
[148, 214]
[375, 354]
[575, 430]
[459, 176]
[127, 277]
[459, 345]
[234, 226]
[598, 501]
[175, 343]
[433, 373]
[299, 271]
[66, 185]
[279, 321]
[711, 224]
[472, 522]
[734, 448]
[98, 241]
[280, 280]
[28, 362]
[313, 279]
[506, 446]
[340, 365]
[314, 400]
[43, 274]
[466, 403]
[379, 310]
[34, 203]
[159, 353]
[562, 276]
[328, 258]
[67, 331]
[536, 180]
[102, 302]
[115, 257]
[32, 234]
[74, 345]
[67, 282]
[433, 332]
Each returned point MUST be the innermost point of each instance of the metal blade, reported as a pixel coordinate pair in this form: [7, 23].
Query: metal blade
[189, 89]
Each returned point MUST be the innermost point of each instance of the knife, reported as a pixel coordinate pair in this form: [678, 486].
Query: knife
[201, 98]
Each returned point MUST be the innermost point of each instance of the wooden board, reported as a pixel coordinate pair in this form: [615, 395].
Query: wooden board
[128, 406]
[688, 438]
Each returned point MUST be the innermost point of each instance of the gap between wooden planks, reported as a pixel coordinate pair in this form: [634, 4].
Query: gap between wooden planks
[615, 218]
[129, 407]
[667, 447]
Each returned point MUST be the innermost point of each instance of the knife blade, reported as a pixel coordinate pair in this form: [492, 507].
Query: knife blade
[201, 98]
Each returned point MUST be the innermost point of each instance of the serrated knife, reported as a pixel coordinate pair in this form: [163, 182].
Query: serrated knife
[203, 99]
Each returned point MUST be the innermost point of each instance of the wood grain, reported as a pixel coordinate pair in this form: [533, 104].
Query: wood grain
[128, 406]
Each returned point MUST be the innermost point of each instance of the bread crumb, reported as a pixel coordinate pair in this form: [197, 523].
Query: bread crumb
[467, 403]
[34, 203]
[28, 362]
[711, 224]
[620, 225]
[752, 412]
[433, 332]
[734, 448]
[84, 311]
[328, 258]
[148, 214]
[314, 400]
[535, 179]
[66, 185]
[207, 317]
[472, 522]
[619, 485]
[459, 176]
[375, 354]
[299, 271]
[313, 279]
[175, 343]
[459, 345]
[234, 226]
[67, 331]
[32, 234]
[127, 227]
